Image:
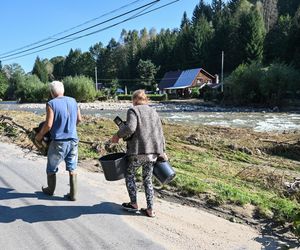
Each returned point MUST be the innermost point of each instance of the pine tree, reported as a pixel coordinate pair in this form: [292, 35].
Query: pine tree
[275, 48]
[293, 46]
[71, 67]
[288, 7]
[144, 37]
[251, 35]
[202, 10]
[58, 67]
[147, 72]
[217, 7]
[201, 37]
[39, 69]
[233, 5]
[182, 49]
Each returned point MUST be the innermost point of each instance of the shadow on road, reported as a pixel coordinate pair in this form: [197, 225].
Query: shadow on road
[7, 194]
[271, 242]
[39, 213]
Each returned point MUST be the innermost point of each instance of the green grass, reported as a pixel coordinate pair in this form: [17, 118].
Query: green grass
[87, 153]
[205, 165]
[239, 157]
[215, 173]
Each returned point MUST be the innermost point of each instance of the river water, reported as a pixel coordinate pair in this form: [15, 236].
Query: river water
[258, 120]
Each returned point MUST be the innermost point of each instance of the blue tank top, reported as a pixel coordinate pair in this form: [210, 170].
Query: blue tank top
[65, 118]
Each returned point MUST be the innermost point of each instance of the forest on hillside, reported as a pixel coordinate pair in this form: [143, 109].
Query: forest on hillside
[260, 40]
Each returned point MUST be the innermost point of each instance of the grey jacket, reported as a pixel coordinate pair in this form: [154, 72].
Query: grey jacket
[144, 126]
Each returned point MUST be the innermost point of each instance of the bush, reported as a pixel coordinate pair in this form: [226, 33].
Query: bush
[243, 85]
[195, 93]
[31, 89]
[151, 97]
[252, 84]
[101, 95]
[80, 87]
[279, 79]
[3, 85]
[124, 97]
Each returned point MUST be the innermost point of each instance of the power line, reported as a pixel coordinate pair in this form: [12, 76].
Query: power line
[80, 31]
[72, 28]
[100, 30]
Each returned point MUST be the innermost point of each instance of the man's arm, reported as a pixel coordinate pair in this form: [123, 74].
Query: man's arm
[47, 125]
[79, 118]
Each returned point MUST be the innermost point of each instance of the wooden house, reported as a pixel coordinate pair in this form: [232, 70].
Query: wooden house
[181, 82]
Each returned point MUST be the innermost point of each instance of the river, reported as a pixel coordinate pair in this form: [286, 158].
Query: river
[258, 120]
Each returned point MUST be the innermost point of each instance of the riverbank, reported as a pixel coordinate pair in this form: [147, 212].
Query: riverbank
[188, 113]
[182, 104]
[236, 170]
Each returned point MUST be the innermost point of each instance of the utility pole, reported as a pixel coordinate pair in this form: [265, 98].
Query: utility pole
[222, 72]
[96, 81]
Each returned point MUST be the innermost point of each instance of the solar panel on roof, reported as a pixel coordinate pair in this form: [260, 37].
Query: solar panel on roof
[169, 79]
[186, 79]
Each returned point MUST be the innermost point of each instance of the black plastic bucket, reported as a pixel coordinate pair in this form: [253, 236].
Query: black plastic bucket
[114, 166]
[163, 171]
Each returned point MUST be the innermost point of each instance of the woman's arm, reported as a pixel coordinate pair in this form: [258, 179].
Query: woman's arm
[126, 130]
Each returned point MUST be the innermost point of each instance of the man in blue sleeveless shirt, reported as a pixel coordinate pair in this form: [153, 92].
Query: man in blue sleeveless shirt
[62, 117]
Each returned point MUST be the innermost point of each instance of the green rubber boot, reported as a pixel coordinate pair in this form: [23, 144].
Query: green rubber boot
[51, 180]
[73, 187]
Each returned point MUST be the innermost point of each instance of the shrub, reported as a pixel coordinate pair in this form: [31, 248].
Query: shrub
[80, 87]
[101, 95]
[195, 93]
[31, 89]
[3, 85]
[124, 97]
[151, 97]
[252, 84]
[243, 85]
[278, 80]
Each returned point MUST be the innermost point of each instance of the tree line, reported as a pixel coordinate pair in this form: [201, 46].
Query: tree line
[250, 32]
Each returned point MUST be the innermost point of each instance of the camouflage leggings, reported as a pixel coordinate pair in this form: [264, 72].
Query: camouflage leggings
[147, 169]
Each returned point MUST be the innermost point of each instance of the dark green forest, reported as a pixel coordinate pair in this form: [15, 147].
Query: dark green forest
[260, 40]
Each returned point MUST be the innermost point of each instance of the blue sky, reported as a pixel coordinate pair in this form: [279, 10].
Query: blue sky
[24, 22]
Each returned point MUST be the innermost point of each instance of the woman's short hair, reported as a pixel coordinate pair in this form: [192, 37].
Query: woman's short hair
[57, 88]
[140, 97]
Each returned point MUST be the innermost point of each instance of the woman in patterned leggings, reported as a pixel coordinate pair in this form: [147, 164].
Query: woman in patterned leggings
[145, 144]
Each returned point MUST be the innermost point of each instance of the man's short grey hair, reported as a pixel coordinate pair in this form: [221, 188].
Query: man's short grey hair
[57, 88]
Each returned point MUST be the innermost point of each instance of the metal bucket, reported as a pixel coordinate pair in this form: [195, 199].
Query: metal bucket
[163, 171]
[114, 166]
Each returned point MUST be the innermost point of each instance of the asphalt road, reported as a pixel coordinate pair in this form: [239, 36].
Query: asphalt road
[31, 220]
